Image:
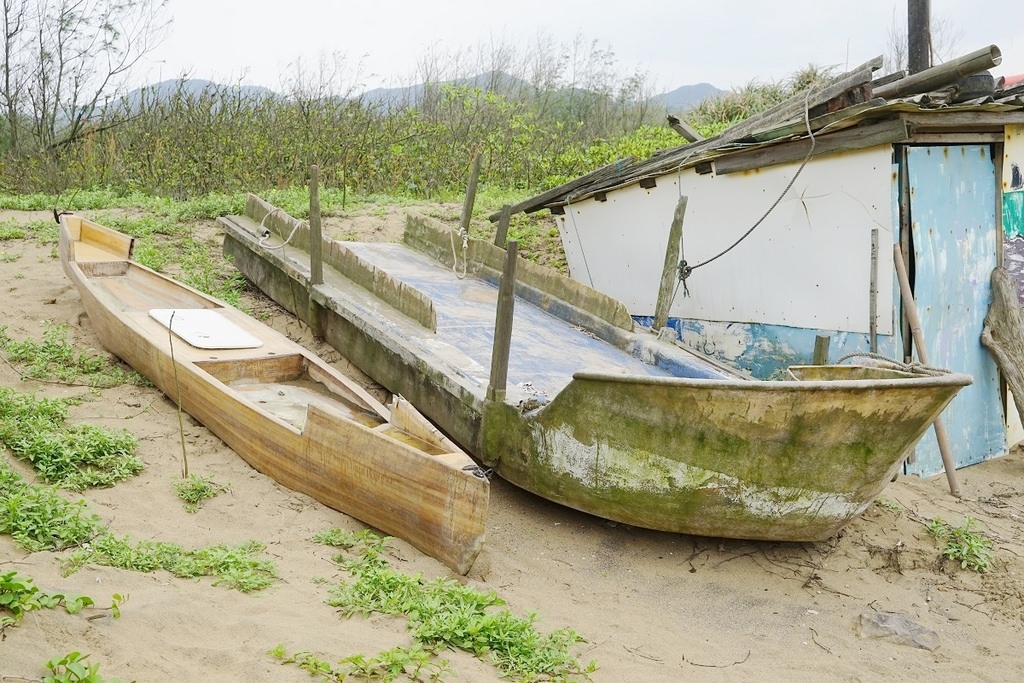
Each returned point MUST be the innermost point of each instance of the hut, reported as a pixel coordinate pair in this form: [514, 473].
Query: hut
[791, 222]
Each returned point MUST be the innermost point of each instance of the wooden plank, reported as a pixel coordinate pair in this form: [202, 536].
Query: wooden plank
[831, 121]
[863, 137]
[962, 121]
[537, 202]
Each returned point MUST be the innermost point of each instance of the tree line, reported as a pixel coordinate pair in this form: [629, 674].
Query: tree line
[538, 116]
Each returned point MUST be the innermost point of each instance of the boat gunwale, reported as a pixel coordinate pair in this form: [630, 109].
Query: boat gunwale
[945, 378]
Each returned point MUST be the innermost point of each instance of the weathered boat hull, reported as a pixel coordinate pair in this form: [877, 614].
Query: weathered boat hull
[782, 460]
[287, 413]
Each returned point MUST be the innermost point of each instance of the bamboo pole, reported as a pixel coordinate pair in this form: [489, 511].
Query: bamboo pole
[316, 264]
[910, 311]
[503, 325]
[942, 75]
[670, 271]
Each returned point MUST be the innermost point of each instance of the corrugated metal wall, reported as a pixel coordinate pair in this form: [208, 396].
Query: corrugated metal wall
[953, 222]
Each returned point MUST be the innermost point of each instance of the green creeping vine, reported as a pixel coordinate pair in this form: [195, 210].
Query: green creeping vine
[38, 518]
[442, 613]
[19, 595]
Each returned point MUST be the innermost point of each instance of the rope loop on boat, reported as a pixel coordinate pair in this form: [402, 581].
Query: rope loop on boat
[908, 367]
[265, 233]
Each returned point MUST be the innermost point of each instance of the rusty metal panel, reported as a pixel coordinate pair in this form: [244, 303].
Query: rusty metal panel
[953, 222]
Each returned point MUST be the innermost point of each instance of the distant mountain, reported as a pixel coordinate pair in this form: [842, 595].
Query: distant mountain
[678, 100]
[686, 96]
[495, 81]
[193, 87]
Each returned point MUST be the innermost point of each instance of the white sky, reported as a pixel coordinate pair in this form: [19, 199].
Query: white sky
[727, 43]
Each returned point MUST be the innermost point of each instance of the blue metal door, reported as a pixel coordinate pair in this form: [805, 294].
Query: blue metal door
[955, 240]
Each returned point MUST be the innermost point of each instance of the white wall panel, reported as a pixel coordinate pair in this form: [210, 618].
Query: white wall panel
[807, 265]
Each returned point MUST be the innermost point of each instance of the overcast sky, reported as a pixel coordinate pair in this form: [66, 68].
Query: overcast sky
[727, 43]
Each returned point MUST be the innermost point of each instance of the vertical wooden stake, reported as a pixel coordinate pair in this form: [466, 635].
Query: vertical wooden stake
[503, 220]
[670, 271]
[467, 207]
[503, 325]
[910, 311]
[821, 343]
[316, 265]
[873, 301]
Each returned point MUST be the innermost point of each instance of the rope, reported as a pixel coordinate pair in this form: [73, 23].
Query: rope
[455, 257]
[685, 270]
[265, 234]
[909, 367]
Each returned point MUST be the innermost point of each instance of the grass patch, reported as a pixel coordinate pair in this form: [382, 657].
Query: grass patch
[73, 457]
[38, 518]
[441, 614]
[195, 490]
[10, 230]
[54, 358]
[972, 550]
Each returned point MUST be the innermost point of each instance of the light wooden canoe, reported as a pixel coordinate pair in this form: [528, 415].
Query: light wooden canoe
[598, 416]
[286, 412]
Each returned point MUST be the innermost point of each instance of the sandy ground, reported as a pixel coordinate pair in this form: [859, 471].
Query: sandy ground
[652, 606]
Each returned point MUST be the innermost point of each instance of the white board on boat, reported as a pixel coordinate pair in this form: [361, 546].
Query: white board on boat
[205, 328]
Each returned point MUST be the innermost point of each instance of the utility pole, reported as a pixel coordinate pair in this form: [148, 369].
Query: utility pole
[919, 35]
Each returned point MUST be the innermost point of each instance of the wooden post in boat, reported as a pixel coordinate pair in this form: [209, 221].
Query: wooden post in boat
[503, 220]
[503, 325]
[316, 264]
[910, 311]
[821, 343]
[670, 271]
[467, 206]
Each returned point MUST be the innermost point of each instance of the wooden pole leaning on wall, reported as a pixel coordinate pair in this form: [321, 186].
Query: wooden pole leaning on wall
[910, 311]
[670, 271]
[503, 325]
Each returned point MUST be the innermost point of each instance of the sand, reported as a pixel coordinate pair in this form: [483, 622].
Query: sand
[652, 606]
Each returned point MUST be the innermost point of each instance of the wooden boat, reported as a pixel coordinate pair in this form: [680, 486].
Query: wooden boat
[285, 411]
[595, 415]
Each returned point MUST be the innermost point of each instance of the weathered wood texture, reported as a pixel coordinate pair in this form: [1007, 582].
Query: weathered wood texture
[541, 286]
[1003, 334]
[503, 325]
[943, 74]
[670, 270]
[860, 137]
[288, 414]
[910, 311]
[400, 295]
